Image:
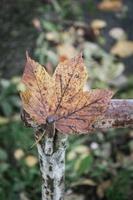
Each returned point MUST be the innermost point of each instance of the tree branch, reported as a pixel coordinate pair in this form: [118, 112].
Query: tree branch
[51, 152]
[118, 115]
[52, 147]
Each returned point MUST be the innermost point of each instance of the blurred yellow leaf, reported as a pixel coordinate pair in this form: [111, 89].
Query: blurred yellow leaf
[89, 182]
[108, 5]
[81, 149]
[98, 24]
[18, 154]
[71, 155]
[117, 33]
[4, 120]
[31, 161]
[52, 36]
[36, 23]
[123, 48]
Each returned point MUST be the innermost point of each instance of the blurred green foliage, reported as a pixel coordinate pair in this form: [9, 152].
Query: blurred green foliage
[122, 186]
[90, 160]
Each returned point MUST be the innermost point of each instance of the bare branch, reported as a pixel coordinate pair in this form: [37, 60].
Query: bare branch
[52, 165]
[118, 115]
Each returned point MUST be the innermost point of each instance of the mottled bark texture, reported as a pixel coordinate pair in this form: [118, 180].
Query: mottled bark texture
[51, 152]
[118, 115]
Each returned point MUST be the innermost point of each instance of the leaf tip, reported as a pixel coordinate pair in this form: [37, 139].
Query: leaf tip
[111, 93]
[27, 56]
[79, 57]
[81, 54]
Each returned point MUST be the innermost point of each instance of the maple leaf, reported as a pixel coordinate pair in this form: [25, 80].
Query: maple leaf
[60, 100]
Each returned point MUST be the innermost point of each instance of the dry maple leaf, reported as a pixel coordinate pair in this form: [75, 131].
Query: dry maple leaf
[60, 100]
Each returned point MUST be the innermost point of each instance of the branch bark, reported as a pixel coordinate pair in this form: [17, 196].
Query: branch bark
[118, 115]
[51, 152]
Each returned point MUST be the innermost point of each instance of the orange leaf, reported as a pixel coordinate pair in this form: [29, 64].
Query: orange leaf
[60, 99]
[70, 77]
[39, 94]
[83, 110]
[109, 5]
